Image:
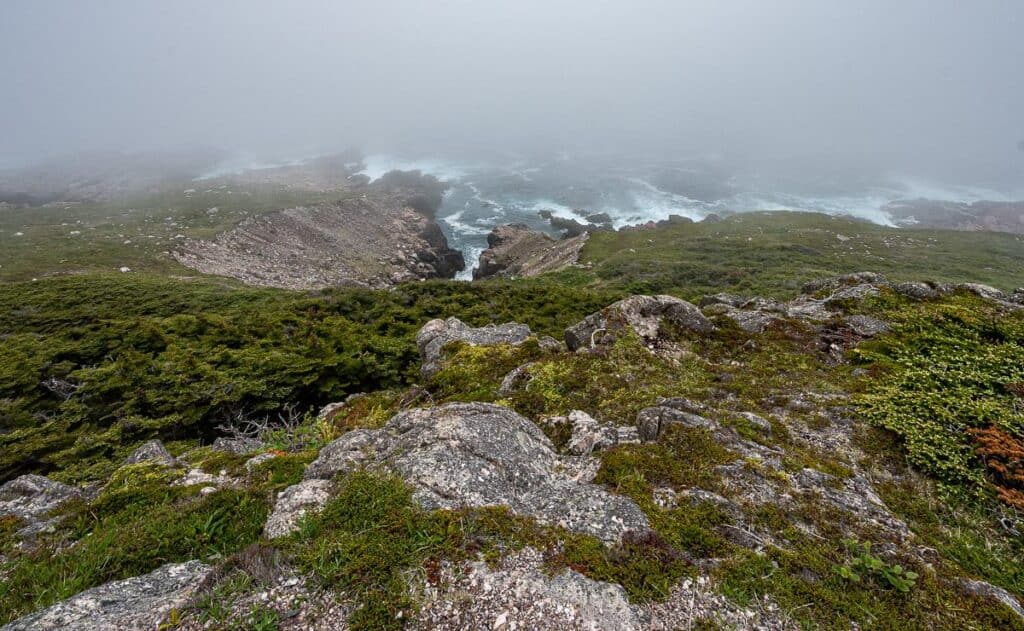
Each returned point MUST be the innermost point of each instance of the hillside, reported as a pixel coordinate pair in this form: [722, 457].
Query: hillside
[789, 449]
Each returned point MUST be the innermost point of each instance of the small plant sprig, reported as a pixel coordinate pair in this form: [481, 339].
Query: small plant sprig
[863, 563]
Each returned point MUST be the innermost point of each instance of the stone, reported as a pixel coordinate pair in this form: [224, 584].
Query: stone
[31, 498]
[521, 593]
[292, 505]
[916, 291]
[865, 327]
[643, 314]
[238, 445]
[478, 454]
[151, 451]
[588, 435]
[987, 590]
[652, 421]
[983, 291]
[515, 379]
[723, 299]
[835, 282]
[141, 602]
[436, 334]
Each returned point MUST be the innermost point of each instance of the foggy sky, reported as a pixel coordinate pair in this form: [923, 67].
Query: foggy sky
[927, 86]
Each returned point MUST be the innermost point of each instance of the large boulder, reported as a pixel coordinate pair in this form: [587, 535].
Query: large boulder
[645, 315]
[141, 602]
[477, 454]
[436, 334]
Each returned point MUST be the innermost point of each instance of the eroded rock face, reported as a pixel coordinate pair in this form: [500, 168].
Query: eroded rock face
[643, 314]
[516, 250]
[478, 454]
[375, 239]
[436, 334]
[141, 602]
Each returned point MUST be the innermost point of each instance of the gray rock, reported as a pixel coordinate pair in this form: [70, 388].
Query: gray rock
[723, 299]
[477, 454]
[987, 590]
[515, 379]
[834, 282]
[759, 422]
[752, 321]
[522, 594]
[436, 334]
[652, 421]
[916, 291]
[31, 498]
[1017, 297]
[865, 327]
[588, 435]
[292, 505]
[239, 445]
[643, 314]
[258, 459]
[141, 602]
[983, 291]
[152, 450]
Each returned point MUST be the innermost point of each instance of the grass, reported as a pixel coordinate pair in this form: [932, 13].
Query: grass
[774, 253]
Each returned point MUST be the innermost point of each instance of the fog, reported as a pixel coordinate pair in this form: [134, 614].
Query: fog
[927, 87]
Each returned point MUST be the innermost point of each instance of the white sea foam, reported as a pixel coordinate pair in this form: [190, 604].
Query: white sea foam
[379, 164]
[472, 256]
[460, 227]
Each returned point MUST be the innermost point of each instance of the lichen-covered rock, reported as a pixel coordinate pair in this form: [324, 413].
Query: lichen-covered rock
[643, 314]
[141, 602]
[588, 435]
[477, 454]
[293, 503]
[916, 291]
[238, 445]
[652, 421]
[522, 594]
[834, 282]
[987, 590]
[152, 450]
[436, 334]
[31, 498]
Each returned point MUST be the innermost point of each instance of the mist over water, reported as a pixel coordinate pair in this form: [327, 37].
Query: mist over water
[638, 109]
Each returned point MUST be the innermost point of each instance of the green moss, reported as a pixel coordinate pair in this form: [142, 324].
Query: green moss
[942, 371]
[116, 540]
[612, 385]
[474, 373]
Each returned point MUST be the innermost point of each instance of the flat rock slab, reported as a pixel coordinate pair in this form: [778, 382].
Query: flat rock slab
[31, 498]
[133, 604]
[477, 454]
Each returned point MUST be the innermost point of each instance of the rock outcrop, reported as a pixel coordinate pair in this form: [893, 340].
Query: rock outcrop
[646, 315]
[151, 451]
[436, 334]
[473, 455]
[141, 602]
[31, 498]
[516, 250]
[371, 238]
